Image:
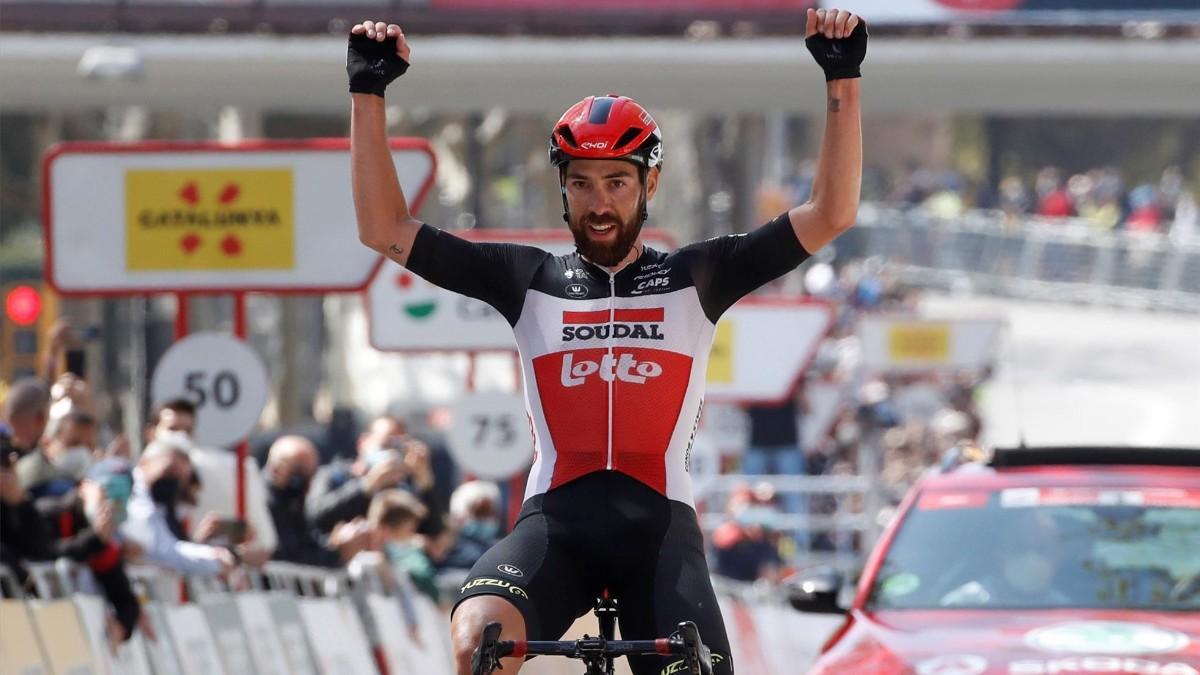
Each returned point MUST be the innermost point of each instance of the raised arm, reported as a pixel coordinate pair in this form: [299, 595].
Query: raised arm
[838, 41]
[378, 53]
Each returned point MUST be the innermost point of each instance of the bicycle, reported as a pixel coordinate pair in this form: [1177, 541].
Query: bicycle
[597, 653]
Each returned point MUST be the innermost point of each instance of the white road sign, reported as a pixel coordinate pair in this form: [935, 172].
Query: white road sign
[166, 217]
[761, 347]
[907, 344]
[223, 376]
[407, 313]
[489, 435]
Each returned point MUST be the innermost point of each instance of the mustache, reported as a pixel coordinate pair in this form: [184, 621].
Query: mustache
[594, 219]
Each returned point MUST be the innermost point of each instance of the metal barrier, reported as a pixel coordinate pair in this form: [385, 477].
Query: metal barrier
[850, 526]
[1035, 258]
[267, 630]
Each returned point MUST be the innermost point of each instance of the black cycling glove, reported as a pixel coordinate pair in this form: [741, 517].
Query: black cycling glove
[372, 65]
[840, 58]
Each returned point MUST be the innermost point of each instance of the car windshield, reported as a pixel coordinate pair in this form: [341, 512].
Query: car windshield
[1045, 548]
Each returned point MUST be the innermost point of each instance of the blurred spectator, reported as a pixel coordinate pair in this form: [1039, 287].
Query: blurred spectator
[70, 393]
[775, 449]
[387, 458]
[1053, 199]
[72, 444]
[26, 413]
[158, 481]
[743, 546]
[215, 470]
[1012, 197]
[475, 513]
[98, 514]
[423, 560]
[1145, 210]
[393, 517]
[83, 530]
[948, 197]
[876, 409]
[291, 464]
[1187, 219]
[1097, 196]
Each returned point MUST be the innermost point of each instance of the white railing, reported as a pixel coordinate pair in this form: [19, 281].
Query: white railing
[1035, 258]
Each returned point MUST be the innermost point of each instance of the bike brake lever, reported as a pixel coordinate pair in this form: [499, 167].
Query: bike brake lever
[695, 653]
[484, 660]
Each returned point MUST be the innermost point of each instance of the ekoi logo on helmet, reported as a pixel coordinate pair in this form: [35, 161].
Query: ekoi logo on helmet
[606, 127]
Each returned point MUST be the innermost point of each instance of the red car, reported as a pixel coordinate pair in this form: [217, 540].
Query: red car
[1041, 561]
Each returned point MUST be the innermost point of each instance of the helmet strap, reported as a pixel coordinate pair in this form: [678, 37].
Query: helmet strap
[643, 214]
[562, 188]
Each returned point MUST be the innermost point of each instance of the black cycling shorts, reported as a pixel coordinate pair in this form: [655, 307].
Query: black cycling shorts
[606, 530]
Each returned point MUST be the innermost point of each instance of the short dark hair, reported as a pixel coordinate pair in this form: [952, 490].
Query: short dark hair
[177, 405]
[26, 398]
[394, 508]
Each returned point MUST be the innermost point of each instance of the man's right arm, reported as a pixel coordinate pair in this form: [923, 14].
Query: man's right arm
[384, 221]
[498, 274]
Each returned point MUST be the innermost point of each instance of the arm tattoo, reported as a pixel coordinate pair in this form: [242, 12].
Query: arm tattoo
[395, 250]
[835, 105]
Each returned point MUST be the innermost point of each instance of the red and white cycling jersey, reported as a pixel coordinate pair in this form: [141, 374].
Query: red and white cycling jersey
[613, 364]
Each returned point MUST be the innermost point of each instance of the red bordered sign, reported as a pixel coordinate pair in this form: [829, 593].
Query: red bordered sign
[256, 216]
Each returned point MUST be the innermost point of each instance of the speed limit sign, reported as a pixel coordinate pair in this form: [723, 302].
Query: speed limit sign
[489, 435]
[223, 376]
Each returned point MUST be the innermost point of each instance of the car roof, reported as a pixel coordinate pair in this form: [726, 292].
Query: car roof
[1097, 466]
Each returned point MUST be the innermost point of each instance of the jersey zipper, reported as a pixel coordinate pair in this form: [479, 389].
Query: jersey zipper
[612, 319]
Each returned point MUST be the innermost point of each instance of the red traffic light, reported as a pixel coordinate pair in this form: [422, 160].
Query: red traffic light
[23, 305]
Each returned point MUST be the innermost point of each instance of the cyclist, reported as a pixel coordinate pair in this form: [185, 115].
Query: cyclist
[614, 341]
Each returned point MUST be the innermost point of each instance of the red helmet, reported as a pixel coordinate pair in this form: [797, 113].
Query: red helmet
[607, 127]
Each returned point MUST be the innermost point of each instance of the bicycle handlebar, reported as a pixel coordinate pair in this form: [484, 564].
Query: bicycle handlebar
[589, 646]
[685, 641]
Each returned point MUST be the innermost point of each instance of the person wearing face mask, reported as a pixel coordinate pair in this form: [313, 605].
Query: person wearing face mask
[161, 474]
[475, 513]
[82, 528]
[291, 463]
[392, 520]
[387, 458]
[27, 414]
[72, 446]
[215, 468]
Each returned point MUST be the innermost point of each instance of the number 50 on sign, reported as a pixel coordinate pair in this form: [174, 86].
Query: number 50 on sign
[222, 376]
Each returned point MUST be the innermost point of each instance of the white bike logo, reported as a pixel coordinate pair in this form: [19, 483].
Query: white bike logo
[625, 369]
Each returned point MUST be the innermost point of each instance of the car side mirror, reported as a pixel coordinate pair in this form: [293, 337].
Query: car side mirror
[815, 591]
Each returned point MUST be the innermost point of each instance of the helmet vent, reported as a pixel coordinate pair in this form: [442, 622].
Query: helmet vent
[628, 137]
[565, 132]
[601, 105]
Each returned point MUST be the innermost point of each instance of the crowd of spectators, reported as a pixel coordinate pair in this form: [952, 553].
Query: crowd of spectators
[172, 505]
[1100, 197]
[911, 420]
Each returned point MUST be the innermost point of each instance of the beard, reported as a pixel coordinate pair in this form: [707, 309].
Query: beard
[606, 254]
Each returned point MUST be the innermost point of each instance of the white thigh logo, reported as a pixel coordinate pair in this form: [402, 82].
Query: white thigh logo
[626, 369]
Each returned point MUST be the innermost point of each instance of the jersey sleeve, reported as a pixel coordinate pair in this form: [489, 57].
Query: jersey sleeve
[725, 269]
[498, 274]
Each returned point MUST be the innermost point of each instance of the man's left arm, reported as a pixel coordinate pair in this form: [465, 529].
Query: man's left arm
[838, 42]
